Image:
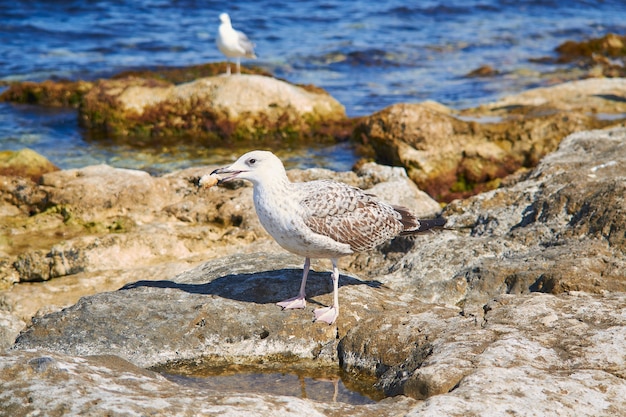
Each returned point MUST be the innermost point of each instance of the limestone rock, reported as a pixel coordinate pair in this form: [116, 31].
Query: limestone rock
[518, 306]
[25, 163]
[47, 383]
[563, 228]
[594, 95]
[10, 327]
[234, 107]
[452, 155]
[224, 311]
[95, 223]
[557, 356]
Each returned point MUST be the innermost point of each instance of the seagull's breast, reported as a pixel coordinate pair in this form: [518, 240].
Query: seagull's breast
[281, 215]
[228, 42]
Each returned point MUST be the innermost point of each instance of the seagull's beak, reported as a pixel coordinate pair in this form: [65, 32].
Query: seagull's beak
[231, 174]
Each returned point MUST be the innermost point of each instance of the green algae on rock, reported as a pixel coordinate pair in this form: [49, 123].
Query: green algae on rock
[246, 107]
[25, 163]
[607, 54]
[454, 154]
[62, 93]
[179, 75]
[195, 103]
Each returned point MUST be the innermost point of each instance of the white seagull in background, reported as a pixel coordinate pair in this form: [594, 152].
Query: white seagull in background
[233, 43]
[318, 219]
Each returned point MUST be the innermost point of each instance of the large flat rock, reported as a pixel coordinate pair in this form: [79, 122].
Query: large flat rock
[518, 306]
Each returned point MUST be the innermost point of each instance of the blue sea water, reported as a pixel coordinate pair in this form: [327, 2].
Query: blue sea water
[367, 54]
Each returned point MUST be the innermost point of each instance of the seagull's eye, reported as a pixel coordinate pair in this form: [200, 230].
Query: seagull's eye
[251, 161]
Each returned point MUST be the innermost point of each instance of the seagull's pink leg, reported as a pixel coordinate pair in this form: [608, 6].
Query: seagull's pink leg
[298, 301]
[330, 314]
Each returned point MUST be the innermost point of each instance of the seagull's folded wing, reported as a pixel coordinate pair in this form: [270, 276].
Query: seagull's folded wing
[245, 44]
[348, 215]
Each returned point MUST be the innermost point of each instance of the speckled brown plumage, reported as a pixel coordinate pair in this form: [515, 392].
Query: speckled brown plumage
[347, 215]
[318, 219]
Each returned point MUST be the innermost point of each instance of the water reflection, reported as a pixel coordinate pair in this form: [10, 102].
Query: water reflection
[328, 384]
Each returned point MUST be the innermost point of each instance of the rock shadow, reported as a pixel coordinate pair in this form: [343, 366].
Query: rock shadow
[259, 287]
[611, 97]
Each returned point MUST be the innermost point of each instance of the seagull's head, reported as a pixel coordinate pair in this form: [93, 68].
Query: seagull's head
[225, 18]
[256, 166]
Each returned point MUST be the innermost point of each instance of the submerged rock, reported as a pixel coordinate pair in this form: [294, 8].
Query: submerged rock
[605, 56]
[25, 163]
[197, 103]
[47, 93]
[66, 93]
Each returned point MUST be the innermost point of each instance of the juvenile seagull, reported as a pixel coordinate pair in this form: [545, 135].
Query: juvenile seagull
[318, 219]
[233, 43]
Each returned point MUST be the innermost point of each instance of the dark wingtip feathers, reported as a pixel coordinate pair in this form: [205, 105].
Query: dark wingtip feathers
[427, 224]
[414, 225]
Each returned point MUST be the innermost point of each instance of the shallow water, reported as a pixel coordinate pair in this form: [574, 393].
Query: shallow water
[327, 384]
[367, 54]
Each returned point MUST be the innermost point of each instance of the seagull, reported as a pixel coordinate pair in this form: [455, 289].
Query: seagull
[318, 219]
[233, 43]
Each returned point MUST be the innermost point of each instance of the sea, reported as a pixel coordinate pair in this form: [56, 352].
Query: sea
[366, 54]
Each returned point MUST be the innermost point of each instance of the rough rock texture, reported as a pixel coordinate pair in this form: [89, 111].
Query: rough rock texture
[221, 309]
[539, 354]
[451, 156]
[569, 345]
[46, 383]
[595, 95]
[519, 307]
[561, 228]
[97, 228]
[61, 93]
[65, 93]
[223, 107]
[10, 327]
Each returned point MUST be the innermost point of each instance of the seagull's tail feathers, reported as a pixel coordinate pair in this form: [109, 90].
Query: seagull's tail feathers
[413, 225]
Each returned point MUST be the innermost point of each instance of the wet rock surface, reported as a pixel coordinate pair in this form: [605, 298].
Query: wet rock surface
[518, 306]
[125, 389]
[605, 56]
[198, 103]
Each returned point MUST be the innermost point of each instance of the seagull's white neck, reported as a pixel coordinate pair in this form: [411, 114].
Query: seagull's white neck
[272, 183]
[272, 201]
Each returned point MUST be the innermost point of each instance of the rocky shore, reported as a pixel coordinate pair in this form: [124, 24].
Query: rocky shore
[517, 306]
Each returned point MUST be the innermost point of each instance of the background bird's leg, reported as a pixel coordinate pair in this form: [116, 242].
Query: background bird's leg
[298, 301]
[239, 66]
[329, 314]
